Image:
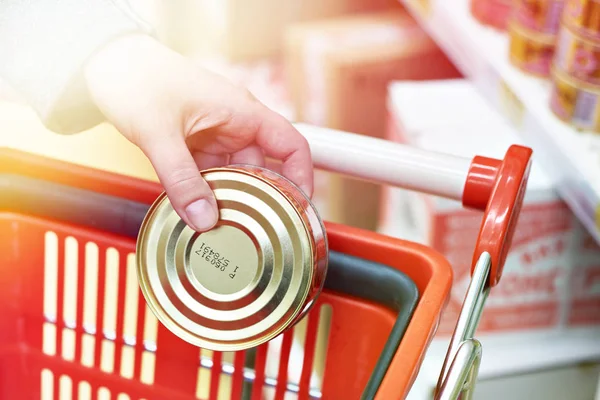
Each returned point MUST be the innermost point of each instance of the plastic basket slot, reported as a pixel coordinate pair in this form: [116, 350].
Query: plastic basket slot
[81, 295]
[64, 388]
[80, 309]
[294, 364]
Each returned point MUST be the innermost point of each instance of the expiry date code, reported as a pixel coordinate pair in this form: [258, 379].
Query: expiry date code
[215, 259]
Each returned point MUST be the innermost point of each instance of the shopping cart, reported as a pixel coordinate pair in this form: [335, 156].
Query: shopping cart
[75, 223]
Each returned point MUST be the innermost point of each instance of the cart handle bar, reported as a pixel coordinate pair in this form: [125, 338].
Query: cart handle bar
[496, 187]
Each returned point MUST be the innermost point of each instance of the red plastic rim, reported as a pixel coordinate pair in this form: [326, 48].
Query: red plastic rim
[504, 185]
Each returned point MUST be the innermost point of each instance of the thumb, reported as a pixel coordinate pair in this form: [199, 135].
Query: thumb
[188, 192]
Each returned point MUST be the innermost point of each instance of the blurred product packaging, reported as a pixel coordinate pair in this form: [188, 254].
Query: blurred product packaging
[493, 13]
[585, 285]
[338, 71]
[541, 288]
[246, 29]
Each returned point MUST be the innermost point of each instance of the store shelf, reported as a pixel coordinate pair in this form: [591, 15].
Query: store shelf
[517, 354]
[570, 157]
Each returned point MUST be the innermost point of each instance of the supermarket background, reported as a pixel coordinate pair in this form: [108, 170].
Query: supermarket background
[460, 76]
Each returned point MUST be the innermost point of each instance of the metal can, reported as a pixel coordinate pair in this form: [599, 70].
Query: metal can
[251, 277]
[541, 16]
[531, 52]
[575, 102]
[583, 16]
[578, 56]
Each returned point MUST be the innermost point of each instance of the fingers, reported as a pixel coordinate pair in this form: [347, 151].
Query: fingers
[273, 165]
[272, 136]
[252, 155]
[206, 160]
[250, 122]
[280, 140]
[188, 192]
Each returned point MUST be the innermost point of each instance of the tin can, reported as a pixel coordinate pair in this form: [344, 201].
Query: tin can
[493, 13]
[540, 16]
[575, 102]
[578, 56]
[583, 16]
[531, 52]
[251, 277]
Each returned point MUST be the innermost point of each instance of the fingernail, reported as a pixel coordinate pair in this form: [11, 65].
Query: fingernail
[202, 214]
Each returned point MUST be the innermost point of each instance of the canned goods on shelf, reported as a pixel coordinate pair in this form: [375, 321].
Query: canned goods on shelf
[248, 279]
[583, 16]
[531, 52]
[575, 102]
[541, 16]
[578, 56]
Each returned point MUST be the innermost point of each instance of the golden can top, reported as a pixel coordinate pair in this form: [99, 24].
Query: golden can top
[246, 280]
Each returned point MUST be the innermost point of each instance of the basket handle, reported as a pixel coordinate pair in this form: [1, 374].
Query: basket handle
[496, 187]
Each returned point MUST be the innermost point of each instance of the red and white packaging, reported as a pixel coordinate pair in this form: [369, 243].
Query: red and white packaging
[584, 307]
[307, 46]
[451, 117]
[336, 71]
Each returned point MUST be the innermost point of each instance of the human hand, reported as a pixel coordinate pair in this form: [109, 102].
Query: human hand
[185, 119]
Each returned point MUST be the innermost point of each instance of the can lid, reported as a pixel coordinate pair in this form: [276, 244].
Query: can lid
[238, 285]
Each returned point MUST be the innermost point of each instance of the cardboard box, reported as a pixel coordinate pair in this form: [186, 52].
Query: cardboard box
[307, 44]
[306, 47]
[243, 30]
[338, 76]
[534, 292]
[584, 307]
[357, 81]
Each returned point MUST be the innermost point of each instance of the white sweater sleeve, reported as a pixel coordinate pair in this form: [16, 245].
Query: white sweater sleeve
[44, 46]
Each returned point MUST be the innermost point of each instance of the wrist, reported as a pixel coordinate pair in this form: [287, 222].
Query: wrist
[127, 78]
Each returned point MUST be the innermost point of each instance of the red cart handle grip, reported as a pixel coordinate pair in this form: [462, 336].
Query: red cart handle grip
[494, 186]
[498, 187]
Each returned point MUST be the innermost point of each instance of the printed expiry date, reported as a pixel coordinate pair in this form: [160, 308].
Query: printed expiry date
[216, 259]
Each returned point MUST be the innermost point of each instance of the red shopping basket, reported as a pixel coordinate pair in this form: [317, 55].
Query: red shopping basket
[36, 361]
